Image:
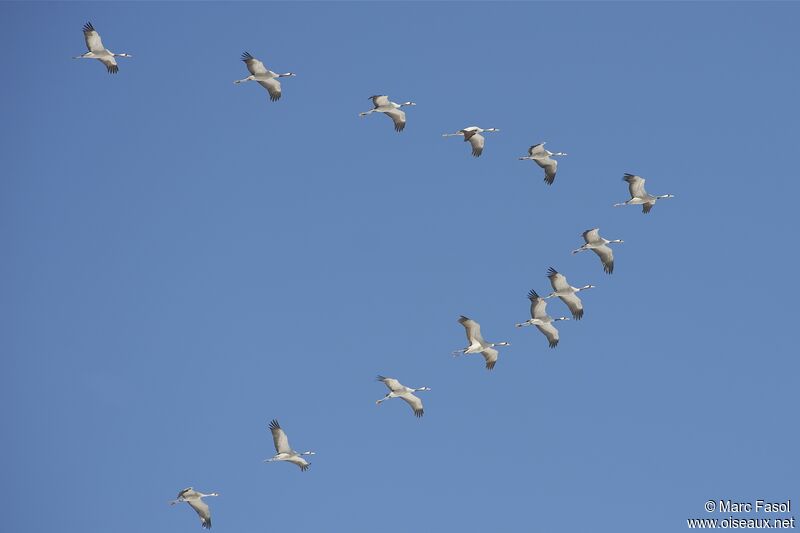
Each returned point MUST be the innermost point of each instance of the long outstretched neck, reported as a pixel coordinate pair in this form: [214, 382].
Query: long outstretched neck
[308, 453]
[584, 288]
[287, 75]
[205, 495]
[616, 241]
[666, 196]
[561, 318]
[407, 103]
[504, 343]
[123, 54]
[559, 153]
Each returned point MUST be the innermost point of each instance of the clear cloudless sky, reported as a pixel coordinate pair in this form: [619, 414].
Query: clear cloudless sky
[184, 260]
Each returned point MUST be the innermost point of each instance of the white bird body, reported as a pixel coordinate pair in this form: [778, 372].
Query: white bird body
[639, 196]
[541, 156]
[473, 135]
[541, 319]
[97, 51]
[398, 390]
[566, 292]
[265, 77]
[382, 104]
[195, 500]
[284, 451]
[599, 245]
[477, 344]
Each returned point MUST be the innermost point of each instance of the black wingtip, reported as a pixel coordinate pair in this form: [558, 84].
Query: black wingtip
[549, 181]
[112, 69]
[418, 413]
[88, 27]
[206, 523]
[551, 271]
[274, 424]
[490, 366]
[553, 344]
[246, 56]
[609, 269]
[533, 295]
[577, 315]
[380, 378]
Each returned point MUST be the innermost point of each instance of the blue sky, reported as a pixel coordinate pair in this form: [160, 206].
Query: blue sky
[185, 260]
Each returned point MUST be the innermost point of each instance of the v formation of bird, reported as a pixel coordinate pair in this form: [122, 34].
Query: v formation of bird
[561, 289]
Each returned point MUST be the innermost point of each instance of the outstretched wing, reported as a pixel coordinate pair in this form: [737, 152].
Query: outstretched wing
[550, 166]
[538, 305]
[536, 150]
[646, 207]
[273, 87]
[473, 330]
[557, 280]
[93, 41]
[398, 116]
[279, 438]
[477, 141]
[414, 402]
[110, 63]
[392, 384]
[299, 461]
[606, 255]
[188, 492]
[635, 185]
[591, 235]
[575, 305]
[255, 66]
[549, 331]
[490, 354]
[202, 510]
[379, 100]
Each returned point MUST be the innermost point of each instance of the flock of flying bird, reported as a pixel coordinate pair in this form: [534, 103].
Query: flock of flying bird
[472, 134]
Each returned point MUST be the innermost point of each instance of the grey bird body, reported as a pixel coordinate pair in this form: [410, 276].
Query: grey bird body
[599, 245]
[477, 344]
[541, 319]
[97, 51]
[639, 196]
[195, 500]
